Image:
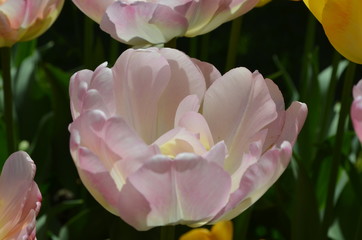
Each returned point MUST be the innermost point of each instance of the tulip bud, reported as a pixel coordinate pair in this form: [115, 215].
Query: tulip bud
[23, 20]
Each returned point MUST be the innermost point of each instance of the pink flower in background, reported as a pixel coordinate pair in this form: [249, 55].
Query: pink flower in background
[20, 198]
[356, 109]
[161, 138]
[158, 21]
[23, 20]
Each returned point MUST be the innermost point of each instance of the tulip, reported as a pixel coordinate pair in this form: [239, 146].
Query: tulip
[220, 231]
[23, 20]
[341, 20]
[161, 138]
[158, 21]
[20, 198]
[356, 109]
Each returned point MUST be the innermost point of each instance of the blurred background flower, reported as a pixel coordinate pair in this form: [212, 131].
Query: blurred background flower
[220, 231]
[145, 152]
[157, 22]
[23, 20]
[20, 198]
[341, 21]
[356, 109]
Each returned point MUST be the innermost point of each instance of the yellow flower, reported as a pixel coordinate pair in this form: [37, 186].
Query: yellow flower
[262, 3]
[342, 23]
[220, 231]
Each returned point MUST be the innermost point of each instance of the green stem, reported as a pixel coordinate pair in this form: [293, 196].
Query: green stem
[233, 43]
[330, 97]
[167, 233]
[337, 151]
[8, 98]
[305, 81]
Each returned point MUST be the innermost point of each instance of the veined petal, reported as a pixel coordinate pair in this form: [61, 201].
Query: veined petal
[200, 14]
[209, 71]
[275, 128]
[141, 23]
[218, 153]
[92, 90]
[139, 86]
[97, 178]
[257, 179]
[196, 123]
[226, 12]
[20, 196]
[14, 11]
[112, 141]
[166, 191]
[186, 79]
[237, 106]
[190, 103]
[294, 120]
[94, 9]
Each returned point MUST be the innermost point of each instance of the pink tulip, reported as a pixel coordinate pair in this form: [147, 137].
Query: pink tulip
[23, 20]
[20, 198]
[356, 109]
[162, 139]
[158, 21]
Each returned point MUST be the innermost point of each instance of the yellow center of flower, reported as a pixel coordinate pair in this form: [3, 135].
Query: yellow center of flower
[174, 147]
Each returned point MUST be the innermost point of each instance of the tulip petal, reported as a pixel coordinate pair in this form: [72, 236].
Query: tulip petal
[356, 110]
[237, 106]
[140, 23]
[196, 123]
[94, 9]
[14, 11]
[180, 140]
[197, 234]
[177, 191]
[97, 179]
[208, 70]
[92, 90]
[186, 80]
[34, 9]
[294, 120]
[275, 127]
[226, 12]
[112, 141]
[139, 86]
[190, 103]
[222, 230]
[217, 154]
[200, 14]
[342, 21]
[316, 7]
[21, 198]
[257, 179]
